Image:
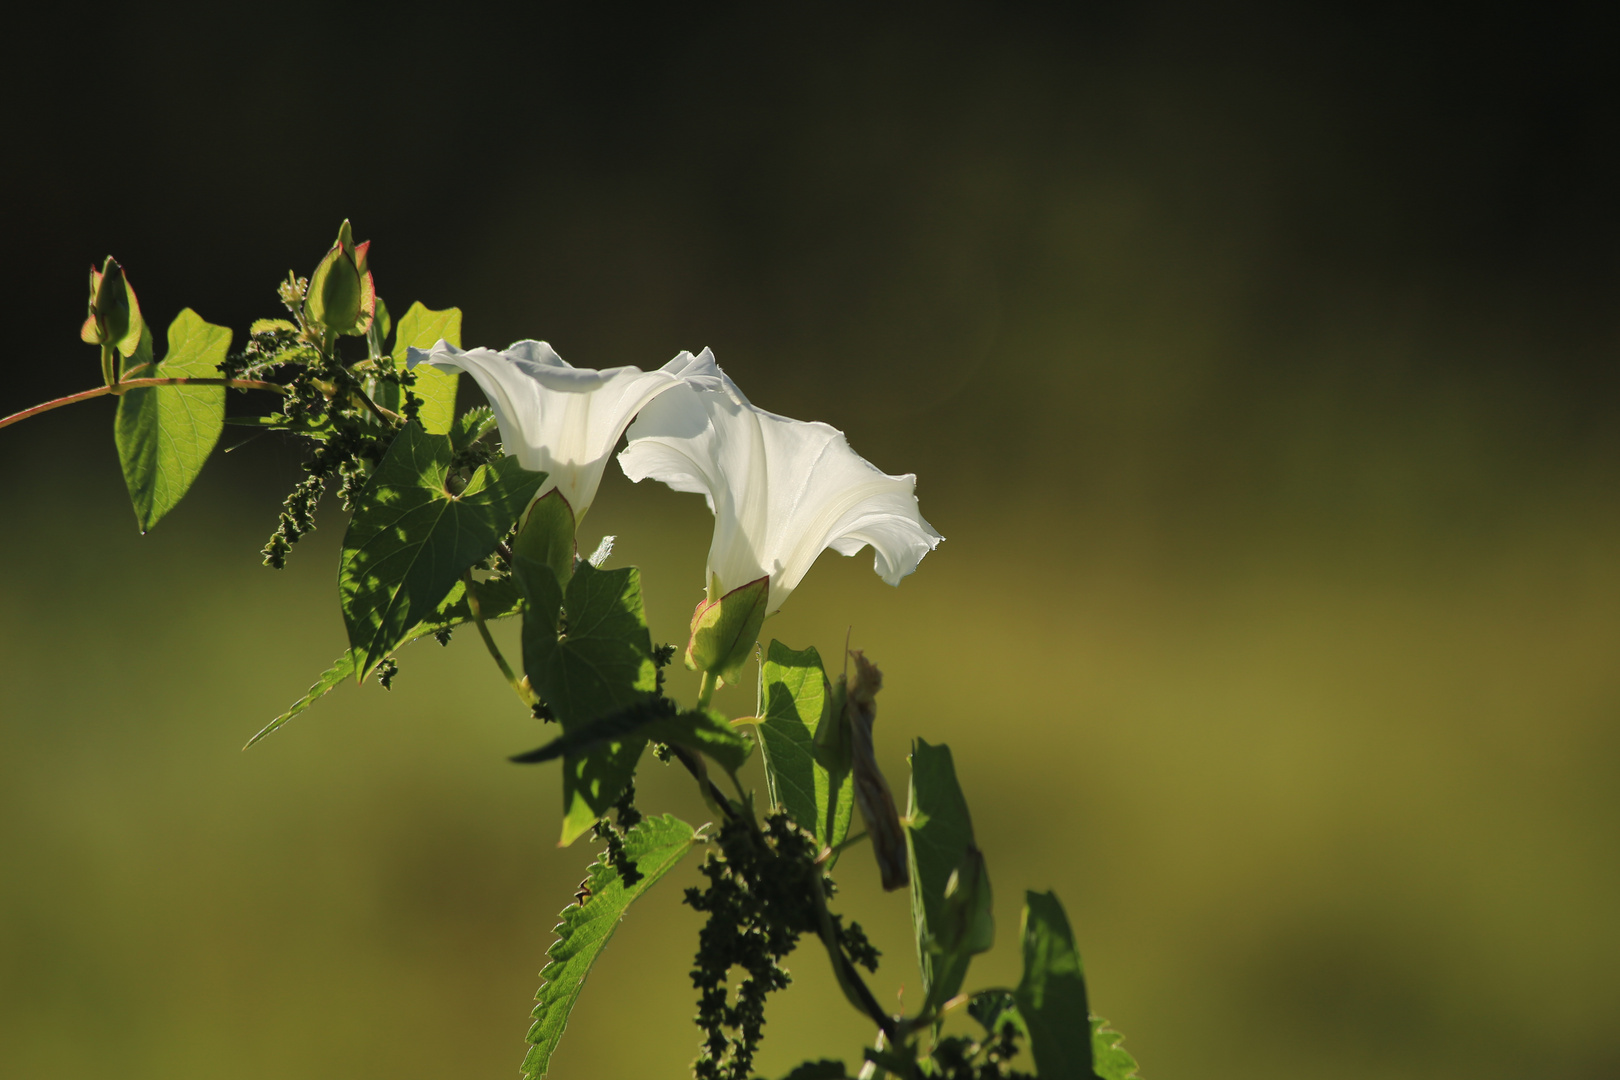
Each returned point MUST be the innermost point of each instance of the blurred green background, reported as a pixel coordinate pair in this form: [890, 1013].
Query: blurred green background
[1260, 367]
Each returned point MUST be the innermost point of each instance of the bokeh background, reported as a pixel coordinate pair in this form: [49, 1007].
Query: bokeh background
[1260, 365]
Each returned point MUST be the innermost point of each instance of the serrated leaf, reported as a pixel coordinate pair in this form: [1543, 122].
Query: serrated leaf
[422, 328]
[410, 539]
[793, 691]
[340, 670]
[939, 843]
[497, 600]
[165, 433]
[471, 426]
[601, 666]
[656, 845]
[1051, 996]
[1110, 1060]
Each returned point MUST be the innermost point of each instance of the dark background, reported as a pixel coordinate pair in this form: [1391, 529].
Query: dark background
[1259, 363]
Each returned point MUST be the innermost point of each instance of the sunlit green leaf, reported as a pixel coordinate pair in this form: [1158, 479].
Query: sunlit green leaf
[600, 666]
[411, 539]
[1110, 1060]
[165, 433]
[1052, 994]
[422, 328]
[793, 691]
[939, 840]
[655, 845]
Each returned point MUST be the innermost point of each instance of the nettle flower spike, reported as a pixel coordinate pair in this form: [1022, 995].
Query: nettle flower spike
[342, 296]
[556, 418]
[782, 491]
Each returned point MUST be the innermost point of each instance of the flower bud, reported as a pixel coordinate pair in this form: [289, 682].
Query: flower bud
[547, 536]
[724, 630]
[115, 316]
[342, 297]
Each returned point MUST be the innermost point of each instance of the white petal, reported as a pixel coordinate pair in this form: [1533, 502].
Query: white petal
[556, 418]
[782, 490]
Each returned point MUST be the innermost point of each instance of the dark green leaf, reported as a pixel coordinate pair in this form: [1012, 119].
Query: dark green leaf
[939, 841]
[601, 666]
[471, 426]
[704, 731]
[793, 690]
[995, 1009]
[707, 732]
[1052, 994]
[1110, 1060]
[411, 539]
[422, 328]
[165, 433]
[498, 599]
[825, 1069]
[655, 845]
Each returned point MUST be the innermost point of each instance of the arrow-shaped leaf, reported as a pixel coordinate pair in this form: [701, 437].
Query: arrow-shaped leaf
[165, 433]
[412, 538]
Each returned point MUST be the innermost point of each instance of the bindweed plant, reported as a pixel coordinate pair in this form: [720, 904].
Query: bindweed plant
[471, 517]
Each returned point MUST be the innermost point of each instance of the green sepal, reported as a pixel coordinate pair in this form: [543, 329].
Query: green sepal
[795, 714]
[334, 292]
[377, 333]
[602, 665]
[164, 434]
[547, 536]
[950, 888]
[411, 539]
[423, 328]
[724, 630]
[655, 846]
[1051, 996]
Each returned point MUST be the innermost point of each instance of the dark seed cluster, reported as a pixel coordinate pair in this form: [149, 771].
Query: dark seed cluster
[761, 897]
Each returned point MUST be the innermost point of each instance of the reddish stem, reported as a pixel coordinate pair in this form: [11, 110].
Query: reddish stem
[131, 384]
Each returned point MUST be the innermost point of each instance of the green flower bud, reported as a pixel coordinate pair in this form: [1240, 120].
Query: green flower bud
[342, 297]
[114, 319]
[547, 536]
[724, 630]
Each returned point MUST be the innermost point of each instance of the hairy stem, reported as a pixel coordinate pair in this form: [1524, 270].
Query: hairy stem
[132, 384]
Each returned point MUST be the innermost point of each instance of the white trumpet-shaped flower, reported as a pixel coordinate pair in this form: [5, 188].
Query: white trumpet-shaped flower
[782, 491]
[556, 418]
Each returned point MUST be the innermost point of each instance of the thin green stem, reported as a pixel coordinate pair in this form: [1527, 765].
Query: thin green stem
[849, 980]
[519, 686]
[706, 686]
[132, 384]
